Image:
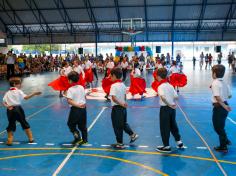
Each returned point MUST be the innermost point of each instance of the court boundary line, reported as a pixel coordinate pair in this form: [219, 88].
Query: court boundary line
[60, 167]
[32, 115]
[231, 120]
[203, 140]
[91, 155]
[123, 151]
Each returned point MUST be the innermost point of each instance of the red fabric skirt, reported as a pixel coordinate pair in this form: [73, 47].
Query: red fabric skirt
[106, 84]
[154, 74]
[88, 75]
[155, 85]
[60, 84]
[82, 81]
[137, 86]
[178, 80]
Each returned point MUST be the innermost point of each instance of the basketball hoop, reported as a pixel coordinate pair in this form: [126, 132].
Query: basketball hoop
[131, 32]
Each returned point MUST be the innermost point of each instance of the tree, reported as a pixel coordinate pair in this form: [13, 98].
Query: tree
[42, 48]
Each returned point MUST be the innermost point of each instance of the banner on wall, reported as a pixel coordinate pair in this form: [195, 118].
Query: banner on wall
[136, 49]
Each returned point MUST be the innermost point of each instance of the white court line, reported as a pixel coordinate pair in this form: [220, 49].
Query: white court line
[34, 143]
[143, 146]
[30, 116]
[231, 120]
[50, 144]
[74, 149]
[203, 140]
[202, 148]
[105, 145]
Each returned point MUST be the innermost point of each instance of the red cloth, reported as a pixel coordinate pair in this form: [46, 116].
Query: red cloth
[82, 81]
[106, 84]
[178, 80]
[12, 88]
[154, 74]
[108, 72]
[60, 84]
[137, 85]
[156, 84]
[88, 75]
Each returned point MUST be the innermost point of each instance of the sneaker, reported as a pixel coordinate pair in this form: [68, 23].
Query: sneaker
[84, 142]
[221, 149]
[31, 141]
[118, 146]
[179, 144]
[77, 141]
[108, 99]
[165, 149]
[133, 138]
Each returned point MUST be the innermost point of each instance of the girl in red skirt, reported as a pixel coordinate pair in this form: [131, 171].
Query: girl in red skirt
[77, 68]
[62, 84]
[88, 72]
[177, 79]
[138, 84]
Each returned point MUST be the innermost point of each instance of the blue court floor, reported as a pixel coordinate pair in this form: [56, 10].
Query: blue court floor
[51, 153]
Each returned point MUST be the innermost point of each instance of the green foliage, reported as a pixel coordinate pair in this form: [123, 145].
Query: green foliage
[42, 48]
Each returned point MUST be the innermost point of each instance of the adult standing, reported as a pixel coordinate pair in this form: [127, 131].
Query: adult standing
[219, 58]
[201, 60]
[124, 66]
[10, 64]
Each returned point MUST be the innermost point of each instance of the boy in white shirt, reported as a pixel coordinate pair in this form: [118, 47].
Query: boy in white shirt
[168, 124]
[220, 94]
[119, 112]
[12, 101]
[78, 115]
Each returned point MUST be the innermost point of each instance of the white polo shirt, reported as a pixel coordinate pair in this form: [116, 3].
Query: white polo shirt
[119, 90]
[168, 92]
[137, 72]
[79, 70]
[88, 64]
[110, 65]
[77, 94]
[124, 65]
[67, 70]
[10, 60]
[14, 97]
[221, 89]
[173, 69]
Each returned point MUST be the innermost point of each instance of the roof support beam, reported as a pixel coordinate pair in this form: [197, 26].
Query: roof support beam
[118, 12]
[16, 16]
[230, 15]
[172, 27]
[29, 3]
[64, 15]
[146, 20]
[48, 30]
[201, 17]
[92, 19]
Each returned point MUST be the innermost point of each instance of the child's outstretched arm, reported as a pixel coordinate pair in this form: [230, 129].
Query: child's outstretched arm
[32, 95]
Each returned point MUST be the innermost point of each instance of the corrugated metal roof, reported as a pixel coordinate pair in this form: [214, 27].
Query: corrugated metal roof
[101, 14]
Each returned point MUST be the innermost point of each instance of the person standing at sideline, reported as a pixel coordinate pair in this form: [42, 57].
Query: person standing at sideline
[119, 110]
[10, 65]
[220, 93]
[168, 124]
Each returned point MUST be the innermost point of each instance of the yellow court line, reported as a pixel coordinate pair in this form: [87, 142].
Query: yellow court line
[203, 140]
[125, 151]
[91, 155]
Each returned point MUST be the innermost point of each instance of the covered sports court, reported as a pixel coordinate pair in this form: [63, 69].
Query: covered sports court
[203, 25]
